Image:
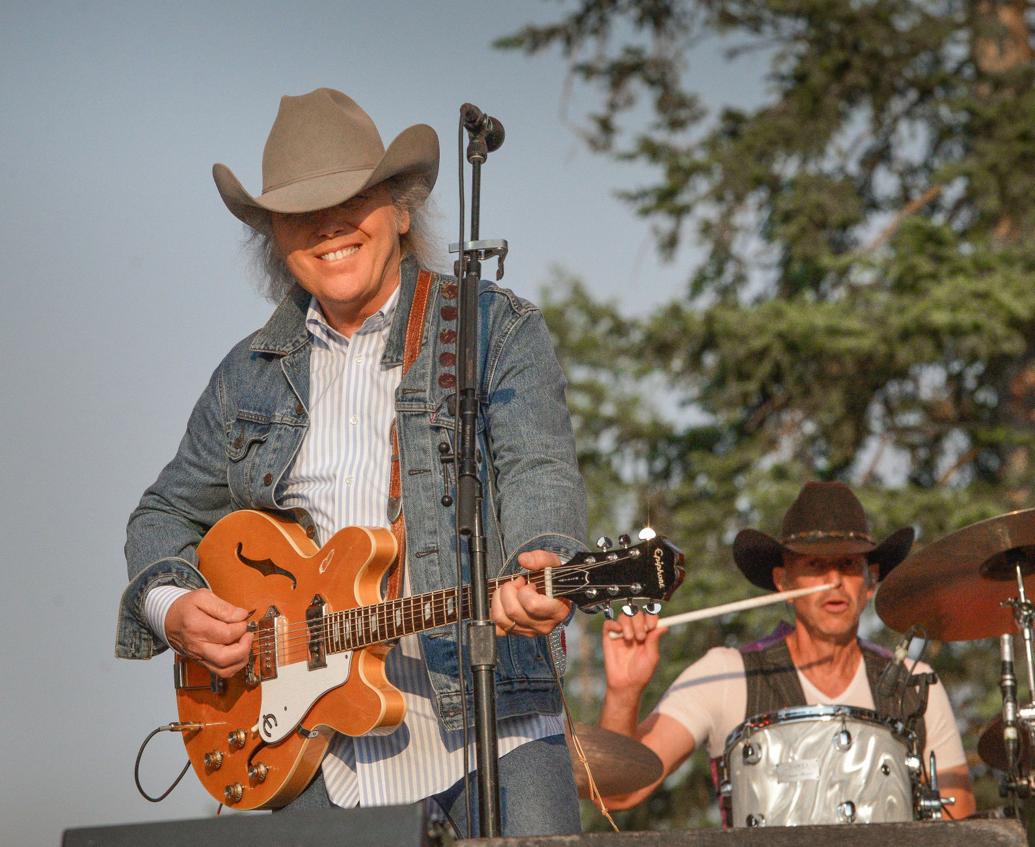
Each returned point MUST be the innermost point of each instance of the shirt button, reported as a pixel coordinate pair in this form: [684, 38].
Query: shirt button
[354, 420]
[348, 480]
[268, 479]
[299, 408]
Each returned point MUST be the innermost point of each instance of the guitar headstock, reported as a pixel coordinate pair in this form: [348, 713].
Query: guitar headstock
[649, 571]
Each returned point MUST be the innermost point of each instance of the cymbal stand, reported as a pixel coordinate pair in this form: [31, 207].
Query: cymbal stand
[1018, 781]
[1024, 615]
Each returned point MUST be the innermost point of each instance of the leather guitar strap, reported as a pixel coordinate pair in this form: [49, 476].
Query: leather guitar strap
[411, 350]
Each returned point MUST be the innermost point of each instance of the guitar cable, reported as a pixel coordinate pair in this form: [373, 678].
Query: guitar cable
[595, 797]
[176, 726]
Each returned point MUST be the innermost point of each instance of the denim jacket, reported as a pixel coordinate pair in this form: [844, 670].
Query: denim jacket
[246, 428]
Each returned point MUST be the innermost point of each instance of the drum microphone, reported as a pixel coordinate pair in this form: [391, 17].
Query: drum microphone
[1008, 686]
[477, 122]
[896, 675]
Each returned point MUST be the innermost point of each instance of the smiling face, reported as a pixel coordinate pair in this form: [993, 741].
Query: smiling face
[346, 256]
[834, 614]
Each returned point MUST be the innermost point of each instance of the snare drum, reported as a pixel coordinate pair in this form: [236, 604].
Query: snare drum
[818, 765]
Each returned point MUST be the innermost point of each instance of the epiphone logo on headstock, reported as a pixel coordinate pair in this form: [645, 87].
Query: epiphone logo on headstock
[659, 565]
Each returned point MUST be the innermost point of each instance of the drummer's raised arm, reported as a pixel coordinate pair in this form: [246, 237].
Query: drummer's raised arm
[629, 664]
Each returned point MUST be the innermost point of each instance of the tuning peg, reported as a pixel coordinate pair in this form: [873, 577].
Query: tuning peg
[624, 540]
[630, 609]
[646, 534]
[609, 612]
[652, 608]
[605, 543]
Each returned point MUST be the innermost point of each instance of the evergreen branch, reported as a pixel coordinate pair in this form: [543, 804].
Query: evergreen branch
[911, 208]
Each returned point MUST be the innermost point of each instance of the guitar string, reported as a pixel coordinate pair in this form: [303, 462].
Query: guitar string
[295, 648]
[388, 613]
[440, 602]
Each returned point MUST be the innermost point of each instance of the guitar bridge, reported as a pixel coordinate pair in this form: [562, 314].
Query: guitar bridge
[314, 620]
[262, 663]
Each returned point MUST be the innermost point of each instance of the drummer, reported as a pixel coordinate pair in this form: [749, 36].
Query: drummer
[818, 660]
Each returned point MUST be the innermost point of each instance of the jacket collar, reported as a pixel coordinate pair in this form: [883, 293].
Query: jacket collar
[286, 331]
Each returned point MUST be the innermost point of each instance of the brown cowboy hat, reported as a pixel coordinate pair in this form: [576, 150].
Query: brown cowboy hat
[322, 150]
[827, 519]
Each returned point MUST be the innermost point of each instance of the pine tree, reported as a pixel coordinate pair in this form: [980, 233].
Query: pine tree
[865, 310]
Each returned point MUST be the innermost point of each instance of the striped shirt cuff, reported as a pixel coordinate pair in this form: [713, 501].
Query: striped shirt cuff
[156, 606]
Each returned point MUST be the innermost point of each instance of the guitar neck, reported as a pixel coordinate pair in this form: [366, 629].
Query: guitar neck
[364, 626]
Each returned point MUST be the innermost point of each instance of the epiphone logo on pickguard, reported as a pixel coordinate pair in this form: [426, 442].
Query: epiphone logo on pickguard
[269, 723]
[659, 566]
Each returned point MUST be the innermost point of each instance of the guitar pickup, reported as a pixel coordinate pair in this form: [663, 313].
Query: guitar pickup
[314, 620]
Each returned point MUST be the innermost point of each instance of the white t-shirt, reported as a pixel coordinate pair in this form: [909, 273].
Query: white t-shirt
[709, 698]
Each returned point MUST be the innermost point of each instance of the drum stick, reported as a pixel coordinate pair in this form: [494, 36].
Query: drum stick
[736, 606]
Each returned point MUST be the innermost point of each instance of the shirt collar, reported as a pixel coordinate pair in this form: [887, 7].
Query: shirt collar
[316, 322]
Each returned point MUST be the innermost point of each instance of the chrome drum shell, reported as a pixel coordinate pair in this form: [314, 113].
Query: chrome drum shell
[818, 765]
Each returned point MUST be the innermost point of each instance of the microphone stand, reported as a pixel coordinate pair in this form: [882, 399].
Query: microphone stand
[481, 629]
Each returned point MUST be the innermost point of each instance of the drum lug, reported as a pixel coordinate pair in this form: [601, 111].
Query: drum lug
[725, 788]
[846, 812]
[752, 754]
[843, 740]
[755, 820]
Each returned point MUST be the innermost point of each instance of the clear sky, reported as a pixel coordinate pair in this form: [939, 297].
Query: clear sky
[126, 283]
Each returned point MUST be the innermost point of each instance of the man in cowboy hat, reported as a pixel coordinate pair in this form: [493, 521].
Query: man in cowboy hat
[298, 419]
[819, 660]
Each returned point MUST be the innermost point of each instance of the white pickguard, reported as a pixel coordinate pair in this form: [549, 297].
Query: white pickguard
[286, 699]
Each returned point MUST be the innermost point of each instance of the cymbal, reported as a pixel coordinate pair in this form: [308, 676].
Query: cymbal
[954, 587]
[992, 748]
[619, 764]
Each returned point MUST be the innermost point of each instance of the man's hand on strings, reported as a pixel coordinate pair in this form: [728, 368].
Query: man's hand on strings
[519, 609]
[203, 627]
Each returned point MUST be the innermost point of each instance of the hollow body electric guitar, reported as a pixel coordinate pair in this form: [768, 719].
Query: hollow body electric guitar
[321, 633]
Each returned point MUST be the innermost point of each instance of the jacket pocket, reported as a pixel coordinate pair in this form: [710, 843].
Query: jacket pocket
[248, 430]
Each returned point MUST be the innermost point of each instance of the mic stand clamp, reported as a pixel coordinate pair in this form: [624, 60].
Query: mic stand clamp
[482, 250]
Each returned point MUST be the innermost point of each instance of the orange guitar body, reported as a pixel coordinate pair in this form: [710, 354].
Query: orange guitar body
[260, 562]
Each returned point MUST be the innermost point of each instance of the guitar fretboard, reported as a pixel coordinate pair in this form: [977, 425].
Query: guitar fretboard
[364, 626]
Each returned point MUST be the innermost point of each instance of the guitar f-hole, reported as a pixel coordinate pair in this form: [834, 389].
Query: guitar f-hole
[314, 621]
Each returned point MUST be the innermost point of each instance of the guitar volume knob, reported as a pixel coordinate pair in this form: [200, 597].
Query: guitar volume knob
[233, 792]
[214, 760]
[237, 739]
[258, 772]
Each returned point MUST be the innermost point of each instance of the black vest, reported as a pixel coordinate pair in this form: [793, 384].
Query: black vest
[773, 684]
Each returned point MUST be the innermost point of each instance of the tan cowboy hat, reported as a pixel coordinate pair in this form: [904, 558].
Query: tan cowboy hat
[826, 519]
[322, 150]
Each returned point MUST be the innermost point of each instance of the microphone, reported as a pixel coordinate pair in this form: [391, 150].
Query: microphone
[895, 675]
[1008, 686]
[477, 122]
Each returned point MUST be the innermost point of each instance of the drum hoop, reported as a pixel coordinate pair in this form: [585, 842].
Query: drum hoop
[827, 712]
